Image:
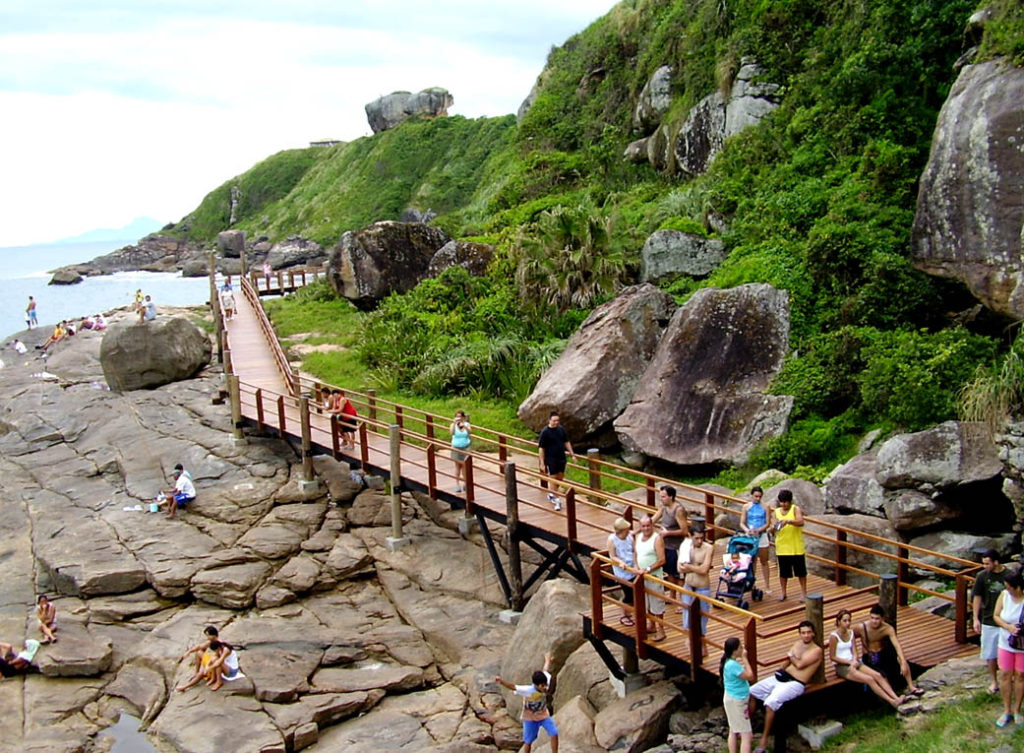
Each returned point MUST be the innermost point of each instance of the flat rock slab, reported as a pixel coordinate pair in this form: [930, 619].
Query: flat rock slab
[142, 687]
[202, 721]
[368, 675]
[77, 653]
[233, 586]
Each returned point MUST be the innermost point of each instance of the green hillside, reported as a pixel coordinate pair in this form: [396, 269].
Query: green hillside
[818, 200]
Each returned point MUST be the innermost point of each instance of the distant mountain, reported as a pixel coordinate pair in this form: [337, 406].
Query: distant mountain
[137, 228]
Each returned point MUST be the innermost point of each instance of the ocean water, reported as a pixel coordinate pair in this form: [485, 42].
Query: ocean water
[26, 270]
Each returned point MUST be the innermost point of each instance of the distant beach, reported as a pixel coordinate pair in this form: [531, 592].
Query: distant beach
[25, 271]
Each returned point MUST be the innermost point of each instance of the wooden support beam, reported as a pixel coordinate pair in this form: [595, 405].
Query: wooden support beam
[515, 565]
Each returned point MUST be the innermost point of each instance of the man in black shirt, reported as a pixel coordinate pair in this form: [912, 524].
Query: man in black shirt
[554, 444]
[987, 587]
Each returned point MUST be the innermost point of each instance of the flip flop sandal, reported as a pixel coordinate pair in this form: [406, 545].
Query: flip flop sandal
[627, 621]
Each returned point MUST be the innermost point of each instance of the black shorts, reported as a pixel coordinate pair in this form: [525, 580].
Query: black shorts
[554, 467]
[792, 565]
[672, 562]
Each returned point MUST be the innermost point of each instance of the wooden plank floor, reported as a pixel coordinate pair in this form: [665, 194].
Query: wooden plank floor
[927, 639]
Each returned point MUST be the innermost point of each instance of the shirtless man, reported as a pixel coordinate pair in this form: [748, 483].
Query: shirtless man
[787, 683]
[755, 521]
[697, 579]
[873, 635]
[673, 527]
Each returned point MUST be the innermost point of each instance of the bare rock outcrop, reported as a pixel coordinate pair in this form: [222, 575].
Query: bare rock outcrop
[295, 251]
[593, 380]
[953, 453]
[969, 224]
[231, 243]
[388, 111]
[385, 258]
[473, 257]
[669, 253]
[138, 355]
[703, 398]
[654, 101]
[702, 135]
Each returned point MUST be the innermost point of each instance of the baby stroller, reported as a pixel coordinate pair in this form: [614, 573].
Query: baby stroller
[737, 581]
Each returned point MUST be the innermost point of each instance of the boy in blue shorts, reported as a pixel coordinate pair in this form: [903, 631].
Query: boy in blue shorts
[535, 706]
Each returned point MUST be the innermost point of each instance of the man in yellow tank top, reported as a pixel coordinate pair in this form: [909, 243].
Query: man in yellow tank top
[789, 543]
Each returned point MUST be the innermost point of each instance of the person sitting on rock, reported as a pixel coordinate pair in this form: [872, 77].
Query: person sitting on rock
[98, 322]
[147, 310]
[58, 335]
[46, 613]
[210, 634]
[535, 706]
[211, 657]
[12, 664]
[184, 491]
[19, 347]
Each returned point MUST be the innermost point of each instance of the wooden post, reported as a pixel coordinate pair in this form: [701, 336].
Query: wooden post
[903, 575]
[364, 447]
[627, 514]
[502, 450]
[887, 597]
[515, 565]
[570, 519]
[218, 320]
[650, 492]
[335, 439]
[696, 636]
[593, 456]
[307, 439]
[640, 617]
[815, 608]
[259, 408]
[960, 624]
[470, 491]
[430, 426]
[840, 571]
[227, 361]
[236, 406]
[432, 470]
[596, 597]
[709, 516]
[241, 258]
[280, 283]
[394, 435]
[399, 417]
[750, 645]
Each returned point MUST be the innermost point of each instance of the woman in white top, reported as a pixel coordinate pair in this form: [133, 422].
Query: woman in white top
[844, 659]
[1008, 615]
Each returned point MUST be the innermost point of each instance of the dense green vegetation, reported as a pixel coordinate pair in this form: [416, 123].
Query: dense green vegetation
[817, 200]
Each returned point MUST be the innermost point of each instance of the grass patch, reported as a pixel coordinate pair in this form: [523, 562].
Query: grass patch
[964, 727]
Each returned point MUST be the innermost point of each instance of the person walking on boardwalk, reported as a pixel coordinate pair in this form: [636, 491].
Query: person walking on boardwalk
[697, 576]
[535, 706]
[31, 318]
[649, 555]
[789, 544]
[1009, 616]
[553, 447]
[674, 528]
[787, 683]
[736, 675]
[461, 441]
[842, 651]
[987, 587]
[622, 553]
[754, 521]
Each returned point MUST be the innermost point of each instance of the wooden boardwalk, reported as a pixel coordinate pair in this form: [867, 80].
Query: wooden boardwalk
[505, 486]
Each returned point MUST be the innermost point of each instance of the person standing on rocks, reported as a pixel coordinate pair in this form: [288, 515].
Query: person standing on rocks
[554, 445]
[987, 587]
[535, 706]
[31, 318]
[789, 682]
[789, 544]
[461, 441]
[754, 522]
[649, 555]
[184, 491]
[1009, 616]
[674, 528]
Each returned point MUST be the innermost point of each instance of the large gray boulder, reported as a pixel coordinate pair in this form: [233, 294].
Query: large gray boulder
[806, 494]
[703, 398]
[295, 251]
[970, 206]
[638, 721]
[669, 253]
[593, 380]
[950, 454]
[387, 257]
[473, 257]
[854, 488]
[231, 243]
[825, 547]
[654, 100]
[701, 136]
[750, 101]
[388, 111]
[149, 354]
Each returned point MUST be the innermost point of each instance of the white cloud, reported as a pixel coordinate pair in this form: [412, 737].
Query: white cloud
[132, 110]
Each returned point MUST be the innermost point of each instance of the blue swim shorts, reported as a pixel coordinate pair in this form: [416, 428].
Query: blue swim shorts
[532, 729]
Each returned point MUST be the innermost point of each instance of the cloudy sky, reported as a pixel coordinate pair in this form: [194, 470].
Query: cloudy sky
[115, 109]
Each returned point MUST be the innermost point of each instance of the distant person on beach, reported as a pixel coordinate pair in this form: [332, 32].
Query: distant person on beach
[227, 283]
[46, 614]
[461, 441]
[19, 347]
[13, 664]
[227, 303]
[69, 327]
[184, 491]
[535, 706]
[31, 319]
[147, 312]
[554, 445]
[139, 299]
[266, 273]
[58, 335]
[98, 322]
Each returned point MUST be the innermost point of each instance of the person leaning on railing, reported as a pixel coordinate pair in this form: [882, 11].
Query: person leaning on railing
[649, 553]
[623, 556]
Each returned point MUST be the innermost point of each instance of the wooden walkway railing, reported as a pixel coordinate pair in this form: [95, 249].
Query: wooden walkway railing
[504, 485]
